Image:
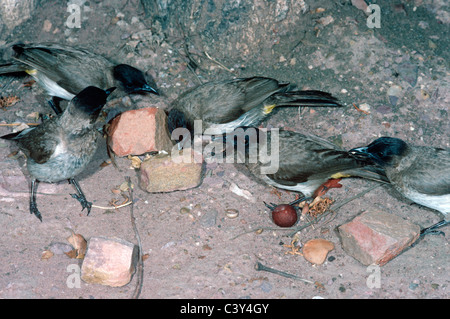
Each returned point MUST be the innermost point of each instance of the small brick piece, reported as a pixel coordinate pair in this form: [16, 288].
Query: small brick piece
[136, 132]
[165, 173]
[375, 237]
[109, 261]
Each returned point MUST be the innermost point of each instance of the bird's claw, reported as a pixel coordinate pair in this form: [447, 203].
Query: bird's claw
[424, 232]
[433, 228]
[34, 210]
[270, 206]
[84, 203]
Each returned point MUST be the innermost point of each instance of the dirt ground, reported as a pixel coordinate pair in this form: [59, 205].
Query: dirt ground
[398, 74]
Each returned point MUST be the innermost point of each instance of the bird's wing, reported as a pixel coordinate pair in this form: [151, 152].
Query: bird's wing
[66, 65]
[303, 157]
[257, 89]
[225, 101]
[430, 173]
[38, 143]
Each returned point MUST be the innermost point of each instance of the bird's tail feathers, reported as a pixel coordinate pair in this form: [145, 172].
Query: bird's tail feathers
[312, 98]
[8, 68]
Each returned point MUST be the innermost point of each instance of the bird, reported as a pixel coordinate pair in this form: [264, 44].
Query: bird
[63, 71]
[61, 147]
[419, 173]
[294, 161]
[242, 102]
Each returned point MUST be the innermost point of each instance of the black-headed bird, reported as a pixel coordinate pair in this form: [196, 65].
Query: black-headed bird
[63, 71]
[419, 173]
[61, 148]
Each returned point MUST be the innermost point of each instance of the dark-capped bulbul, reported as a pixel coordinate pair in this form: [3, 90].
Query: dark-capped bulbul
[419, 173]
[61, 148]
[226, 105]
[297, 162]
[63, 71]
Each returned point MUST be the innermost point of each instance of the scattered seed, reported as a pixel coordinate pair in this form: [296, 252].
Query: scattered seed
[232, 213]
[185, 210]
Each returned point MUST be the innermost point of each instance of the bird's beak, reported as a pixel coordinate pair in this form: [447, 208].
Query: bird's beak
[109, 91]
[360, 152]
[146, 88]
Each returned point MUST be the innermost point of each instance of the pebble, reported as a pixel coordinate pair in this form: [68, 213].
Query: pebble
[413, 286]
[209, 219]
[184, 210]
[266, 286]
[365, 107]
[47, 26]
[59, 248]
[394, 94]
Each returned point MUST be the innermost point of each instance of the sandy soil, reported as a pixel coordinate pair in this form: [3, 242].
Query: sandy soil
[199, 256]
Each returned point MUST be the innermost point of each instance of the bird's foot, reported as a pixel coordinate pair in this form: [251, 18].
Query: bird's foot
[433, 228]
[34, 210]
[83, 201]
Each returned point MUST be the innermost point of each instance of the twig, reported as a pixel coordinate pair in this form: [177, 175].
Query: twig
[140, 265]
[359, 110]
[330, 211]
[218, 63]
[17, 124]
[261, 267]
[113, 207]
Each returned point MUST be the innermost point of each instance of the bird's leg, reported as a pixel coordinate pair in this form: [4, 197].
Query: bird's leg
[80, 196]
[272, 206]
[54, 103]
[33, 205]
[432, 229]
[299, 200]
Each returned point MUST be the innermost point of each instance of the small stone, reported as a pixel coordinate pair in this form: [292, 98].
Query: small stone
[136, 132]
[109, 261]
[166, 173]
[325, 20]
[266, 286]
[408, 72]
[413, 286]
[360, 4]
[365, 107]
[394, 94]
[209, 218]
[316, 250]
[47, 26]
[375, 237]
[59, 248]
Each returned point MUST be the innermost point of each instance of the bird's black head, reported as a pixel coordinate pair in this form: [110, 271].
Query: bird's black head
[91, 100]
[384, 151]
[133, 80]
[177, 120]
